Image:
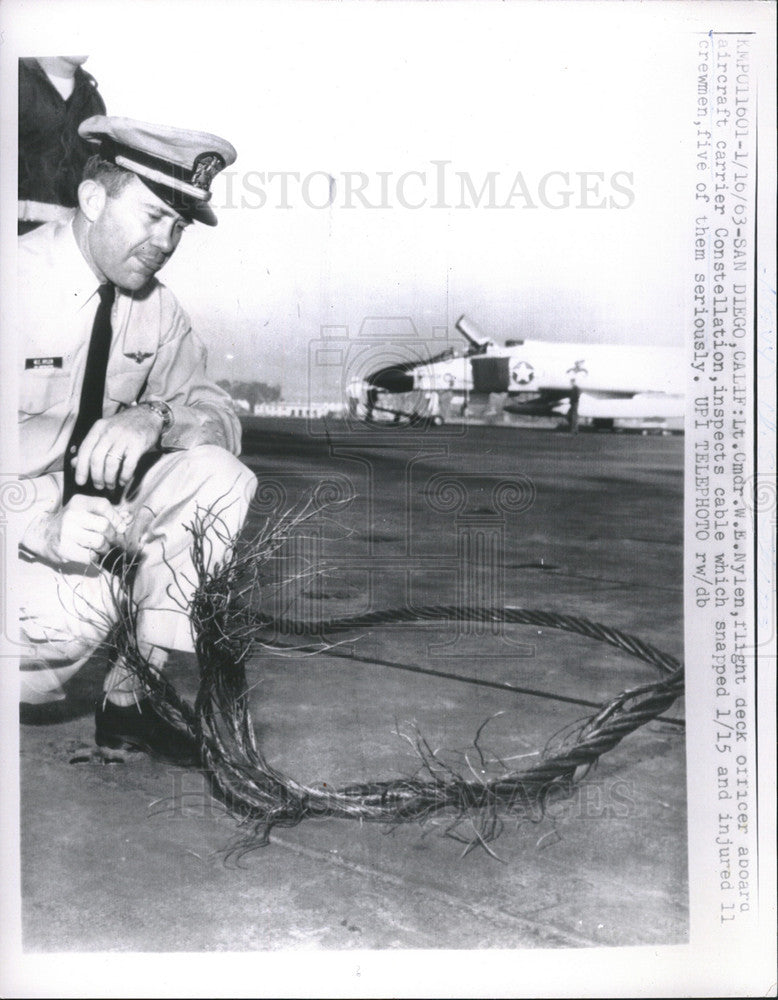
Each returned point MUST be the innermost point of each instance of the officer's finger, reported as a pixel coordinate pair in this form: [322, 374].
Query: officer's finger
[104, 446]
[93, 524]
[86, 541]
[97, 541]
[131, 458]
[84, 458]
[80, 518]
[112, 464]
[104, 509]
[98, 525]
[94, 505]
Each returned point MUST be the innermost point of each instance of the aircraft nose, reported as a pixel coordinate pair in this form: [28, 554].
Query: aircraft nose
[393, 378]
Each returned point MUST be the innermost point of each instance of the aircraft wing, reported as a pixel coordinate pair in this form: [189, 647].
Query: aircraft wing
[646, 405]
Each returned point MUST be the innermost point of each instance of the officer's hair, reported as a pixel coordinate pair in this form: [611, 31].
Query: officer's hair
[111, 177]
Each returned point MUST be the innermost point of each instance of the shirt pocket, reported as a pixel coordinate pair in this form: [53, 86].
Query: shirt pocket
[40, 390]
[125, 387]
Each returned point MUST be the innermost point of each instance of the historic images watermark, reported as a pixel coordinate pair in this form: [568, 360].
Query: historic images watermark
[614, 799]
[437, 184]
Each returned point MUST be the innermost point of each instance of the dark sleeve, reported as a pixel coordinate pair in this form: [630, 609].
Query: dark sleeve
[51, 152]
[84, 102]
[90, 97]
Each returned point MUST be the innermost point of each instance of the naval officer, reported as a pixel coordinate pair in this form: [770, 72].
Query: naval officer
[113, 384]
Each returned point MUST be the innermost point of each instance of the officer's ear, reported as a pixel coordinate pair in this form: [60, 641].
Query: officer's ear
[91, 198]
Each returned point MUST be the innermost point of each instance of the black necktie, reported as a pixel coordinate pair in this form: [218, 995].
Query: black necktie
[90, 407]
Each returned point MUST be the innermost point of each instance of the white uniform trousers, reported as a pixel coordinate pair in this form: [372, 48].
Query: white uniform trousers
[67, 611]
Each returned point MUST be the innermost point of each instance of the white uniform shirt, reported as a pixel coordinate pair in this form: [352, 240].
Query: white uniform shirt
[154, 355]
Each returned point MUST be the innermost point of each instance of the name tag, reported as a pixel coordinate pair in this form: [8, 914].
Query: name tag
[42, 363]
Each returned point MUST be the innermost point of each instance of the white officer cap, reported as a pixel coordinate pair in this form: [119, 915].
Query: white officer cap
[177, 164]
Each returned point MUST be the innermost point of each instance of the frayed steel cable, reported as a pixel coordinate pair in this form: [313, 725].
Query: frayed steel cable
[507, 615]
[266, 798]
[227, 628]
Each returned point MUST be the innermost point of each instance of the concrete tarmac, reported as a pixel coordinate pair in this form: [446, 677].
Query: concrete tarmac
[130, 856]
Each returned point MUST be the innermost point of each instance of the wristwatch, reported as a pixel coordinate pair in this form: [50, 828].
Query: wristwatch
[161, 408]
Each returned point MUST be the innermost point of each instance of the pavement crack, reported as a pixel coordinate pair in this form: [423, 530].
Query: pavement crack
[543, 931]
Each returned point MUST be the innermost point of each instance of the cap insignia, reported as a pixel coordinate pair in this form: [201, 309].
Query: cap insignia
[206, 167]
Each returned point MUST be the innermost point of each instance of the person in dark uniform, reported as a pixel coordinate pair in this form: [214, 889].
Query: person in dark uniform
[55, 96]
[572, 413]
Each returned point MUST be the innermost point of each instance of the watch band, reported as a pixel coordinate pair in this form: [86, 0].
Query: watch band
[161, 408]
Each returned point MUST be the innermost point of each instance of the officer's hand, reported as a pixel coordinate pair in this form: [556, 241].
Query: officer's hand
[80, 532]
[112, 448]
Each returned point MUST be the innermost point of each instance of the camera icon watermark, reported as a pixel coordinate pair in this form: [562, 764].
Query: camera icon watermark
[390, 379]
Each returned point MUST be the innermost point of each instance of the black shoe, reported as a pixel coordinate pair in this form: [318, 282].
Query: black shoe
[139, 727]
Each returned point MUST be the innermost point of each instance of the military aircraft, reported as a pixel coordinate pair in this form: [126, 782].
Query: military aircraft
[596, 382]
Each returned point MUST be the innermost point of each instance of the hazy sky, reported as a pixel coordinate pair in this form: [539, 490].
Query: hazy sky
[382, 90]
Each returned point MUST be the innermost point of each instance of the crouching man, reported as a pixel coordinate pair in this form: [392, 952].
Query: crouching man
[122, 436]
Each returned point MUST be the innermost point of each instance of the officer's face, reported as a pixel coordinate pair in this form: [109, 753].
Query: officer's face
[133, 236]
